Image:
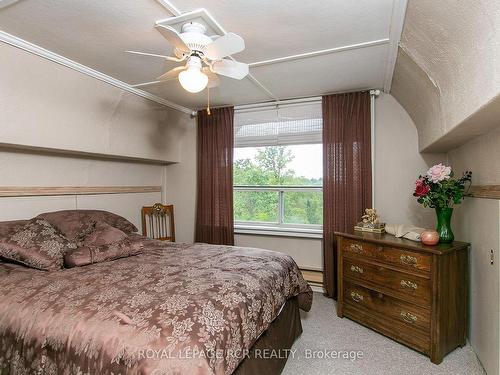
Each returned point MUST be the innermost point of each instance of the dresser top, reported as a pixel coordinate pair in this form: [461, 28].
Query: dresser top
[390, 240]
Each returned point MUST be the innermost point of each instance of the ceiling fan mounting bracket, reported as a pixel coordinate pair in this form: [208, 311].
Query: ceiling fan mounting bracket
[193, 27]
[200, 16]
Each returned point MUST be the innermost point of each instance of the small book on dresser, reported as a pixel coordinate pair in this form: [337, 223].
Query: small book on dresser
[410, 292]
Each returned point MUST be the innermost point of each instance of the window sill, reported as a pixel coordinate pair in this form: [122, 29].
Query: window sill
[277, 231]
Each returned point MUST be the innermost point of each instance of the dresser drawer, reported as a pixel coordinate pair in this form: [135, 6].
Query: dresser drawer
[388, 307]
[403, 285]
[398, 257]
[414, 338]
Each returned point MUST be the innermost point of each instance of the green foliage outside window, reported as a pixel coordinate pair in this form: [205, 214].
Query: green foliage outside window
[271, 167]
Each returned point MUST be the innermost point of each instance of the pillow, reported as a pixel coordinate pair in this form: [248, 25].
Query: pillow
[102, 234]
[7, 227]
[37, 244]
[77, 223]
[103, 244]
[85, 255]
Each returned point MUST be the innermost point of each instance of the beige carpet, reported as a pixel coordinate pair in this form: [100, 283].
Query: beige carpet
[324, 331]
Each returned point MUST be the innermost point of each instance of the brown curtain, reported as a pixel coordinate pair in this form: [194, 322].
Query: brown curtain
[346, 172]
[214, 212]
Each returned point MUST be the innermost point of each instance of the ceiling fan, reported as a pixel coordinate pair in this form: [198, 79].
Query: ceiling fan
[204, 57]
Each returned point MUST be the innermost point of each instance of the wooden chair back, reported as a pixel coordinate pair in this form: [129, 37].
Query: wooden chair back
[158, 222]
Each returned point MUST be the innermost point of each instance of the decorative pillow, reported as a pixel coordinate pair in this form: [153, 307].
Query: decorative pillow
[102, 234]
[76, 223]
[7, 227]
[85, 255]
[37, 244]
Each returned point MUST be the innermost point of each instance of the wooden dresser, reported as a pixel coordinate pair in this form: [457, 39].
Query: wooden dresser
[410, 292]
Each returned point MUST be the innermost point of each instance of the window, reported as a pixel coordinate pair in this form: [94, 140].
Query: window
[278, 170]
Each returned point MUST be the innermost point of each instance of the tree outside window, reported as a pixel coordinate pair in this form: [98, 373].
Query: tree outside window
[287, 181]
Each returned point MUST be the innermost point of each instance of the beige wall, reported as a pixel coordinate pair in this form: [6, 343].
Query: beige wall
[180, 182]
[25, 168]
[398, 164]
[478, 222]
[47, 105]
[482, 156]
[306, 252]
[100, 127]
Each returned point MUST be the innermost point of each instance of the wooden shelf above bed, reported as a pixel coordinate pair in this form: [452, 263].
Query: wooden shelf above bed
[26, 191]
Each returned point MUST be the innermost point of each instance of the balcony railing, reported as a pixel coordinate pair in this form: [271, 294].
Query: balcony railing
[279, 208]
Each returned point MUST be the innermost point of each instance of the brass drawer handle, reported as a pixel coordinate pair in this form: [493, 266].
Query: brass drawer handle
[408, 260]
[408, 317]
[356, 296]
[357, 269]
[408, 284]
[356, 248]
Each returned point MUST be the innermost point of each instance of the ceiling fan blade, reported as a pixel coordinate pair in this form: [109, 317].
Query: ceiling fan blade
[213, 79]
[230, 68]
[147, 84]
[172, 73]
[173, 38]
[169, 58]
[226, 45]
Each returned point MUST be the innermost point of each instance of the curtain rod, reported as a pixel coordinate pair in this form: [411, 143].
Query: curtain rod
[277, 104]
[310, 99]
[288, 102]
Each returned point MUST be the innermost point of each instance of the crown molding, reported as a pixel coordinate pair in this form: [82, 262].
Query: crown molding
[170, 7]
[397, 22]
[46, 54]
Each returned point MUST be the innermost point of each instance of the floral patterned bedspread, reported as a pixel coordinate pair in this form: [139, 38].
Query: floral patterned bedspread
[175, 309]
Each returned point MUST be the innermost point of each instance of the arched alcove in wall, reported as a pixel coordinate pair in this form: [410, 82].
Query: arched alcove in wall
[447, 73]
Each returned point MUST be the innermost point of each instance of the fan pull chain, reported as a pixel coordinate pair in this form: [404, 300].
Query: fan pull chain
[208, 101]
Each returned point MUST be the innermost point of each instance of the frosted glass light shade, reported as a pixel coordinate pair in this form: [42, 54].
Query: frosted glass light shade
[193, 80]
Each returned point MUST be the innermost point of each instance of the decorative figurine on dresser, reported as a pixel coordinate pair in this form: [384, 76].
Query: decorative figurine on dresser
[413, 293]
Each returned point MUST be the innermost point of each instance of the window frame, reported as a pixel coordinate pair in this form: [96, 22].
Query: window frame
[279, 228]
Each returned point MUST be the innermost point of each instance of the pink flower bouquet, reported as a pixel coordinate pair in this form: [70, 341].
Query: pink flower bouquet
[439, 189]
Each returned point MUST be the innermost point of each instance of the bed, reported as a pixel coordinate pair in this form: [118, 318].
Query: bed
[168, 308]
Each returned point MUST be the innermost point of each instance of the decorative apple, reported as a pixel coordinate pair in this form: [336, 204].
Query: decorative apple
[429, 237]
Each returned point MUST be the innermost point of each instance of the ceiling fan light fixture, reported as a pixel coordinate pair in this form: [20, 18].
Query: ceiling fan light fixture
[193, 79]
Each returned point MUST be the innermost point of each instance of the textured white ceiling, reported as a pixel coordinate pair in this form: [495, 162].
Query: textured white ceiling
[96, 33]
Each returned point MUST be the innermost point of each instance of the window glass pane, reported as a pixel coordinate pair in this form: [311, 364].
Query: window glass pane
[256, 206]
[303, 207]
[279, 165]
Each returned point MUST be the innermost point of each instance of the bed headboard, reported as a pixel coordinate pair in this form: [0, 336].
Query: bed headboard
[19, 203]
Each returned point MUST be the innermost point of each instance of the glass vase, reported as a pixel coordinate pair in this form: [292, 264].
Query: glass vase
[444, 224]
